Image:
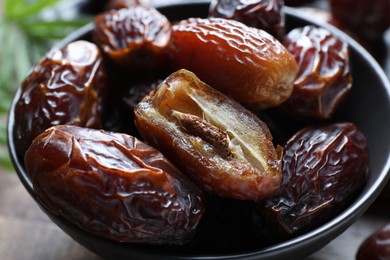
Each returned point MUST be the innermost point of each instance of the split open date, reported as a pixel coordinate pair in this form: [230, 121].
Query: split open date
[206, 82]
[222, 146]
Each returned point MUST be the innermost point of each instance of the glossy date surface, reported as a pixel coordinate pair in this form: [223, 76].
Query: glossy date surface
[261, 14]
[219, 144]
[242, 62]
[324, 78]
[222, 147]
[324, 167]
[113, 185]
[376, 246]
[134, 37]
[67, 86]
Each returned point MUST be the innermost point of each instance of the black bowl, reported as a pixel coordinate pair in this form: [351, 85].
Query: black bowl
[368, 107]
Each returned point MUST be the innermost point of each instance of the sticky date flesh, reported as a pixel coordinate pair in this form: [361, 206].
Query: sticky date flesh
[219, 144]
[324, 78]
[244, 63]
[324, 168]
[113, 185]
[67, 86]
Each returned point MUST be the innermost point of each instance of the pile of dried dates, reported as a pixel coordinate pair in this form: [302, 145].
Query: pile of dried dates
[216, 130]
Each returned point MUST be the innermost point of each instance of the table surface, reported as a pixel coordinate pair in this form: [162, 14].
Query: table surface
[27, 233]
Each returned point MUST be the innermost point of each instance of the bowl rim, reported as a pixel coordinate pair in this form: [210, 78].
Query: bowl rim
[333, 227]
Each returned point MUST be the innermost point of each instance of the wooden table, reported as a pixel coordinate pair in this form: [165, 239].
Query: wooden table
[26, 233]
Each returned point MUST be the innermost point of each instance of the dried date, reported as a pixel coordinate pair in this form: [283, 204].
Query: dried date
[137, 92]
[219, 144]
[242, 62]
[130, 100]
[113, 185]
[324, 79]
[376, 246]
[324, 168]
[326, 17]
[134, 37]
[368, 19]
[67, 86]
[261, 14]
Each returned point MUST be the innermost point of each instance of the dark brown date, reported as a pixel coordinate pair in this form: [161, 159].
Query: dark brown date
[326, 17]
[114, 186]
[134, 37]
[67, 86]
[131, 99]
[261, 14]
[368, 19]
[376, 246]
[119, 4]
[324, 168]
[324, 78]
[245, 63]
[137, 92]
[219, 144]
